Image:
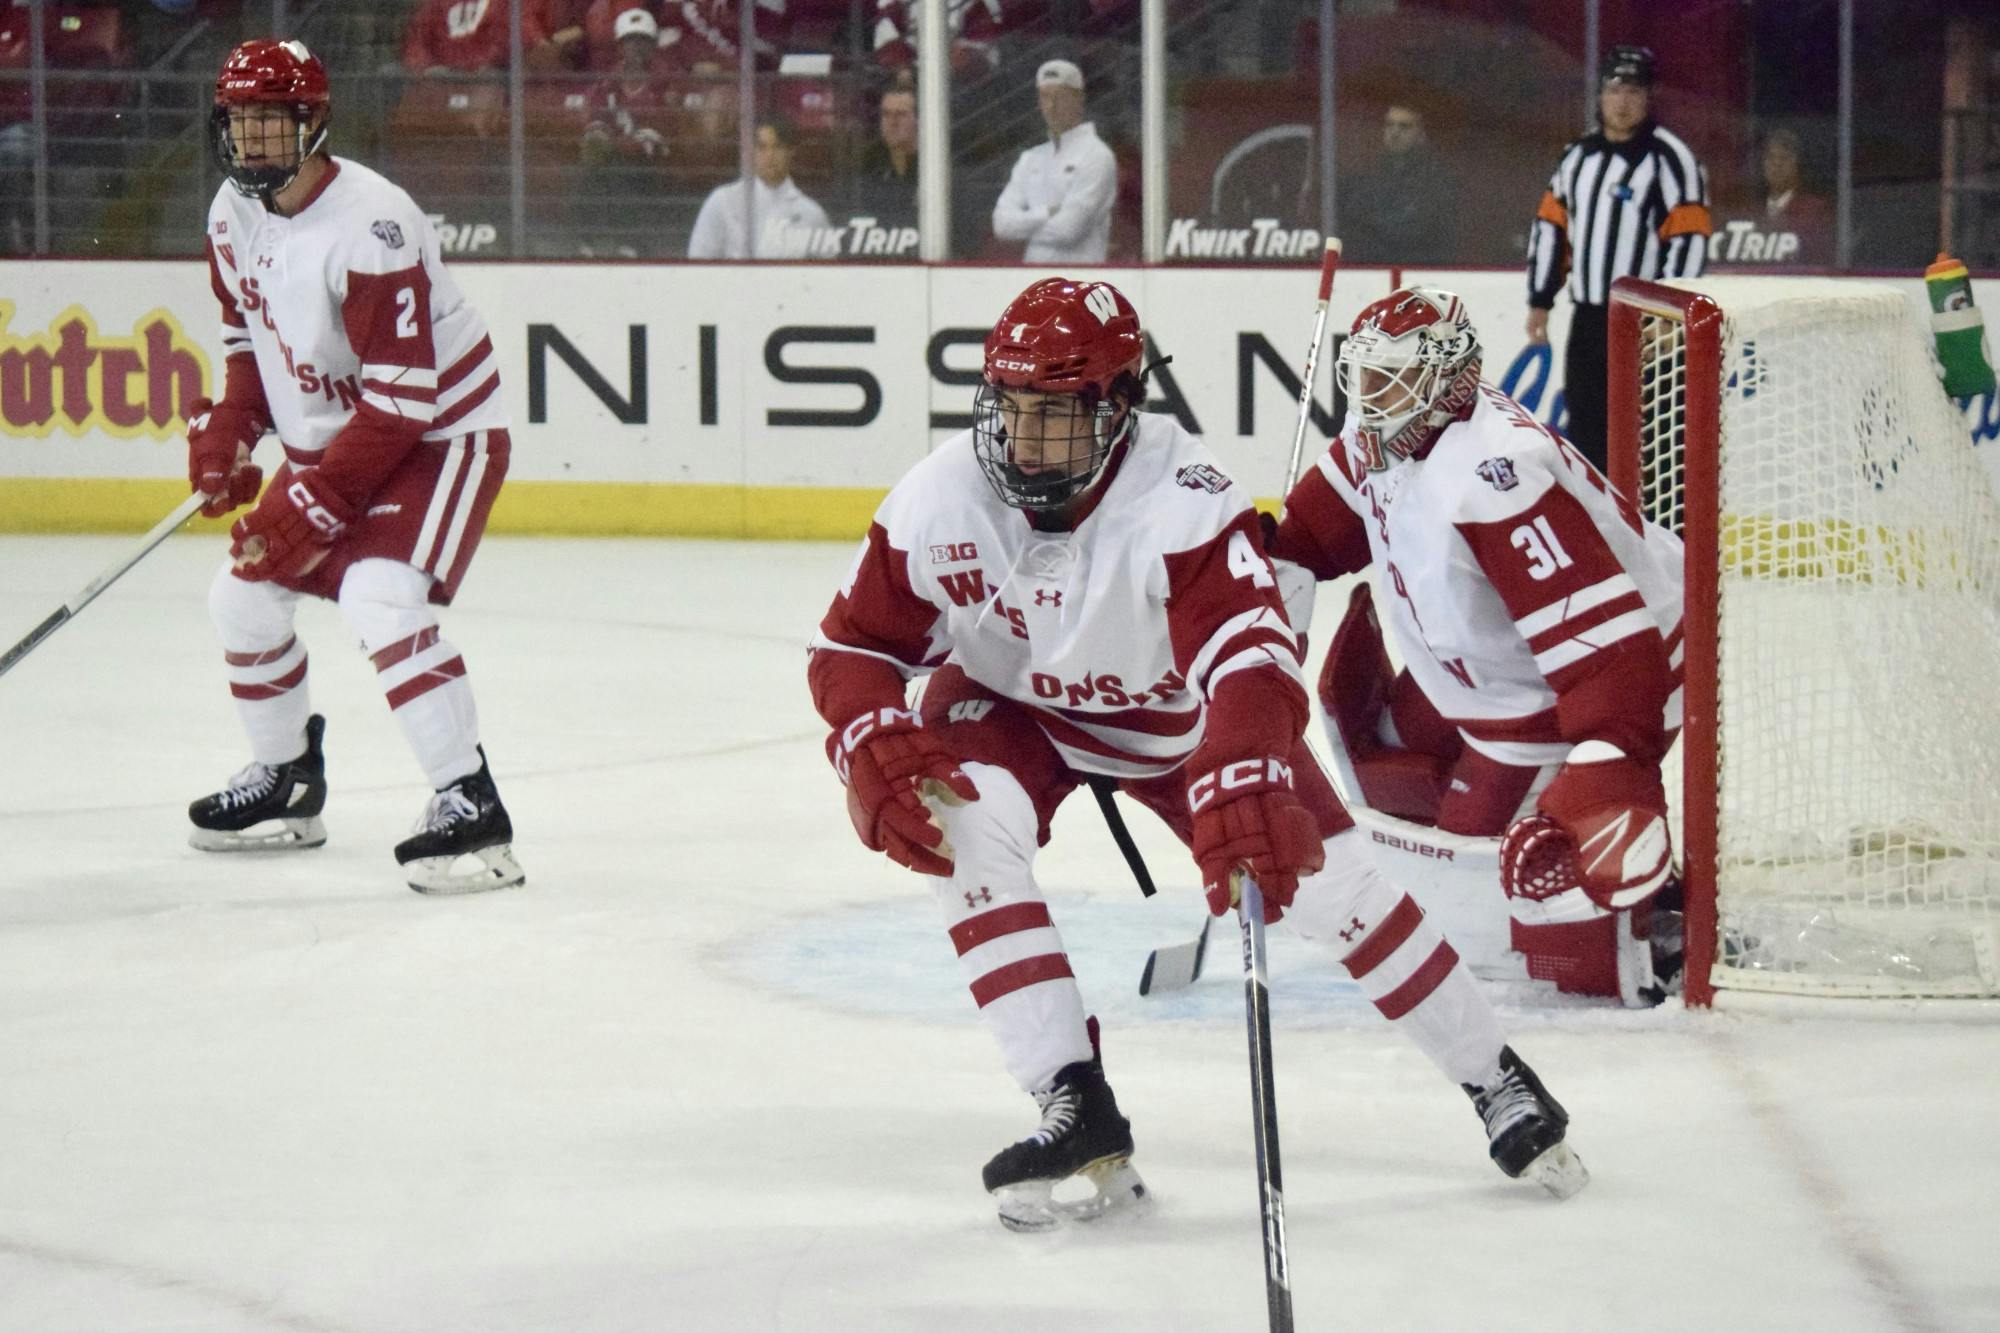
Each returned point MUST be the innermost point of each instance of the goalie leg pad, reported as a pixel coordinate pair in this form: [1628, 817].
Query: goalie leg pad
[1007, 944]
[1586, 949]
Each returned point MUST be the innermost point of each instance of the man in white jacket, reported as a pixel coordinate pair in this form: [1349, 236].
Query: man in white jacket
[1058, 198]
[786, 216]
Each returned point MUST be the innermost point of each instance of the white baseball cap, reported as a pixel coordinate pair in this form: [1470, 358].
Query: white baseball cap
[1061, 73]
[635, 23]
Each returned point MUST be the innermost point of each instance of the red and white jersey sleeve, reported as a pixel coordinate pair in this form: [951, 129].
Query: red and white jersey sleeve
[1528, 600]
[348, 307]
[1113, 635]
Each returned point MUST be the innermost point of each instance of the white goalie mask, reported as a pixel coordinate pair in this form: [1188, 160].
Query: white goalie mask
[1409, 368]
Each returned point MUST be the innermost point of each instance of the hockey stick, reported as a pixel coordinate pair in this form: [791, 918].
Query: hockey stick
[1178, 966]
[63, 614]
[1264, 1108]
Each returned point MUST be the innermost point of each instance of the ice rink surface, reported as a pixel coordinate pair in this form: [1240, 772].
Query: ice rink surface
[714, 1067]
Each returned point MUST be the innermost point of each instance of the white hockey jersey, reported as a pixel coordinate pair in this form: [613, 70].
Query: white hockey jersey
[349, 302]
[1508, 566]
[1114, 635]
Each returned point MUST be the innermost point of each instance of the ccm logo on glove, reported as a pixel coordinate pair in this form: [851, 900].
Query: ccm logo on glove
[316, 513]
[1239, 776]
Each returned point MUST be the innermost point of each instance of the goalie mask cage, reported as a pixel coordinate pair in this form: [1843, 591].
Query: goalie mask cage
[1839, 795]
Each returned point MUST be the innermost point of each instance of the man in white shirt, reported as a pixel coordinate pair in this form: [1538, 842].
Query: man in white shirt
[785, 216]
[1058, 198]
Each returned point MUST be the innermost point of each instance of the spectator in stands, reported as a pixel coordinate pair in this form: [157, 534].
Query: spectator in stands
[1400, 209]
[472, 35]
[601, 53]
[887, 187]
[1059, 197]
[785, 217]
[701, 36]
[1788, 224]
[629, 111]
[616, 205]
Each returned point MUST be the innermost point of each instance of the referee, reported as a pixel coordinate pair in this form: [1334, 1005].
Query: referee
[1627, 201]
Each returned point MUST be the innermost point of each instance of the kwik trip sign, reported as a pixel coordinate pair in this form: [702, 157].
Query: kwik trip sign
[75, 377]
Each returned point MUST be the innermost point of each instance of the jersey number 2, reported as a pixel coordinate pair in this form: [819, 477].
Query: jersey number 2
[406, 312]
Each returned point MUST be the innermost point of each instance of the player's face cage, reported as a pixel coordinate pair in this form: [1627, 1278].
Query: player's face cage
[1042, 450]
[262, 146]
[1397, 387]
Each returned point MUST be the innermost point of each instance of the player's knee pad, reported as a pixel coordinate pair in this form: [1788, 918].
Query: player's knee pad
[250, 616]
[385, 602]
[1347, 889]
[1586, 949]
[992, 844]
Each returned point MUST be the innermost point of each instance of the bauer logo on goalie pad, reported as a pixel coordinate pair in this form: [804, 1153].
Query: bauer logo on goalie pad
[1500, 472]
[1202, 477]
[388, 233]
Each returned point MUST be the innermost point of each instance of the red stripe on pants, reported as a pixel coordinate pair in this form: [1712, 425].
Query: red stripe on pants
[1006, 980]
[969, 934]
[417, 686]
[1421, 983]
[270, 689]
[1395, 929]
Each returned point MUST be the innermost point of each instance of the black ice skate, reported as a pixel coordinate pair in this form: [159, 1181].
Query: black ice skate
[1525, 1128]
[1082, 1136]
[464, 841]
[267, 809]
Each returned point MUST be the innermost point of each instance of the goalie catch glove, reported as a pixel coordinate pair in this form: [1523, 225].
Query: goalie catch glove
[1601, 826]
[890, 764]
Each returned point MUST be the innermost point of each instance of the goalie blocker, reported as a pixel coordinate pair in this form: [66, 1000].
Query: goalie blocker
[1580, 848]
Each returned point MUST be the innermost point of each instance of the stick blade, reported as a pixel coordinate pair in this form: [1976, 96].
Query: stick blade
[1175, 967]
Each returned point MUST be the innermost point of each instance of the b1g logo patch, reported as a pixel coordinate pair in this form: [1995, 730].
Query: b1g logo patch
[389, 233]
[1202, 477]
[1500, 472]
[951, 553]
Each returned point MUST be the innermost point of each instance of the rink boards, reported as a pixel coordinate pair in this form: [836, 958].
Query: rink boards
[771, 400]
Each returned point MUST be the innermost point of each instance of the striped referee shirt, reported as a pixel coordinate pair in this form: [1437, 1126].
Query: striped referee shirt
[1615, 210]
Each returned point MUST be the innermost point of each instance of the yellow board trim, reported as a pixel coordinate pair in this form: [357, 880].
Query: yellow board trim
[549, 508]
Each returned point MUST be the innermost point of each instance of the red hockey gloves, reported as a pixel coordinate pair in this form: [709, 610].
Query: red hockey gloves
[890, 765]
[290, 529]
[220, 438]
[1600, 826]
[1247, 820]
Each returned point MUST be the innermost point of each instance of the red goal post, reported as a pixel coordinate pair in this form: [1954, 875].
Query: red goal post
[1661, 340]
[1837, 819]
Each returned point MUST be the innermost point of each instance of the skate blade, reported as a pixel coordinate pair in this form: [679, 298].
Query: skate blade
[272, 835]
[1116, 1188]
[468, 872]
[1559, 1171]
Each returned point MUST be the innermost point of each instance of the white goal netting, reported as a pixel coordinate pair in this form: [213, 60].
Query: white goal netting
[1858, 610]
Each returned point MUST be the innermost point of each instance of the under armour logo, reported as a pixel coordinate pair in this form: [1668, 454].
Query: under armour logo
[265, 261]
[1044, 597]
[1350, 932]
[975, 897]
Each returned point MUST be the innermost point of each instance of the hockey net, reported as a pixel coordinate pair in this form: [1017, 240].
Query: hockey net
[1839, 799]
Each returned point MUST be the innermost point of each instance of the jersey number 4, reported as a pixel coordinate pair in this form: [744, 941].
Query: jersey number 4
[1245, 563]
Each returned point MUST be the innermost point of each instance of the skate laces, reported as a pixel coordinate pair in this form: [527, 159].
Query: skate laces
[1506, 1103]
[248, 786]
[1060, 1107]
[448, 807]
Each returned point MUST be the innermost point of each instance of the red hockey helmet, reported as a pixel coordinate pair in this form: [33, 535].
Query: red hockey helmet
[1079, 340]
[281, 75]
[1409, 368]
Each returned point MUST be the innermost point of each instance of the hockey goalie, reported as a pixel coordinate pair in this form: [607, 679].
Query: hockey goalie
[1539, 620]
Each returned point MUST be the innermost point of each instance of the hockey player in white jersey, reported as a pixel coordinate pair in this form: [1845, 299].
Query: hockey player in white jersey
[1087, 593]
[345, 335]
[1539, 618]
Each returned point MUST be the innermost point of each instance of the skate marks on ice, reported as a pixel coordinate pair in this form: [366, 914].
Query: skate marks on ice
[48, 1287]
